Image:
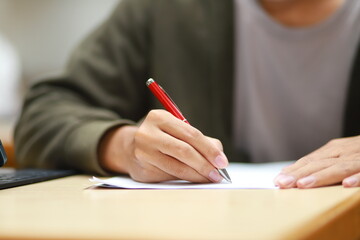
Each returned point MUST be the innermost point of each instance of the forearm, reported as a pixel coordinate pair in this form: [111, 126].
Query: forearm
[59, 130]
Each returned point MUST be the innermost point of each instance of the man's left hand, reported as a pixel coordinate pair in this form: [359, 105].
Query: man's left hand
[335, 162]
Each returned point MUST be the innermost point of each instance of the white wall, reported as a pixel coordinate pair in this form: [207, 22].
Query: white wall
[40, 34]
[44, 31]
[9, 79]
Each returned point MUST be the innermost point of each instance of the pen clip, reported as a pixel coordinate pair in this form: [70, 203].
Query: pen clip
[167, 95]
[165, 99]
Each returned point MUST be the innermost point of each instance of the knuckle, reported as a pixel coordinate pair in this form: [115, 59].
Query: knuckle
[141, 134]
[218, 143]
[215, 150]
[345, 168]
[194, 134]
[138, 153]
[155, 115]
[143, 137]
[306, 160]
[334, 141]
[183, 151]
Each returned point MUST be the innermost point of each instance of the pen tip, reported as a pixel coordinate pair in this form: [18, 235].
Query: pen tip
[225, 174]
[228, 179]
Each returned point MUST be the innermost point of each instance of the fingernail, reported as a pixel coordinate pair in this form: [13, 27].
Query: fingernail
[284, 180]
[275, 181]
[221, 161]
[215, 176]
[307, 181]
[351, 182]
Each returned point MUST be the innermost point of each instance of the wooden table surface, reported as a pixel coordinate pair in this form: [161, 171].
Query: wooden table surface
[69, 208]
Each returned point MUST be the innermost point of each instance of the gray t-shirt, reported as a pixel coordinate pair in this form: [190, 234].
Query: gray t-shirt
[291, 83]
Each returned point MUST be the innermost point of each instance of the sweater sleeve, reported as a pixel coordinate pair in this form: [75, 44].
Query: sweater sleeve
[64, 118]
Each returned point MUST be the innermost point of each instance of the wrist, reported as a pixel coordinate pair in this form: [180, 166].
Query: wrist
[116, 149]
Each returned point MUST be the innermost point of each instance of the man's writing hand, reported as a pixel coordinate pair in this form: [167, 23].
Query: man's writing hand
[162, 148]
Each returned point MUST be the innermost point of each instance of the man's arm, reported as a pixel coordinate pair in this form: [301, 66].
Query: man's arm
[63, 119]
[78, 121]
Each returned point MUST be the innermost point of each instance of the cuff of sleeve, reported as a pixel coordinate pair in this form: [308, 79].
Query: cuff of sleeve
[81, 149]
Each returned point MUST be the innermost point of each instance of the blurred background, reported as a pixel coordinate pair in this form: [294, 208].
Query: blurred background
[36, 39]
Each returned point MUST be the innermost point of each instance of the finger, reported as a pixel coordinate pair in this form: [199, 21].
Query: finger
[217, 142]
[325, 152]
[289, 179]
[281, 173]
[180, 170]
[150, 137]
[331, 175]
[186, 155]
[286, 171]
[352, 181]
[147, 173]
[207, 148]
[170, 166]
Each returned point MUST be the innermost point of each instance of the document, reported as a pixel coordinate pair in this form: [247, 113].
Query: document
[243, 175]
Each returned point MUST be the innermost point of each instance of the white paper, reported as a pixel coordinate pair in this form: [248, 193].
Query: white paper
[243, 176]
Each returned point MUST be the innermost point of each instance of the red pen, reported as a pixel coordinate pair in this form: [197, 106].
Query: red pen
[165, 99]
[170, 106]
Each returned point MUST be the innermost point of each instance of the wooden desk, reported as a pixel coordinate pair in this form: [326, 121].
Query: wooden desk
[67, 209]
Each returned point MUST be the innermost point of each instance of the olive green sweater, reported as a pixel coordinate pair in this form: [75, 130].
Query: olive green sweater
[186, 45]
